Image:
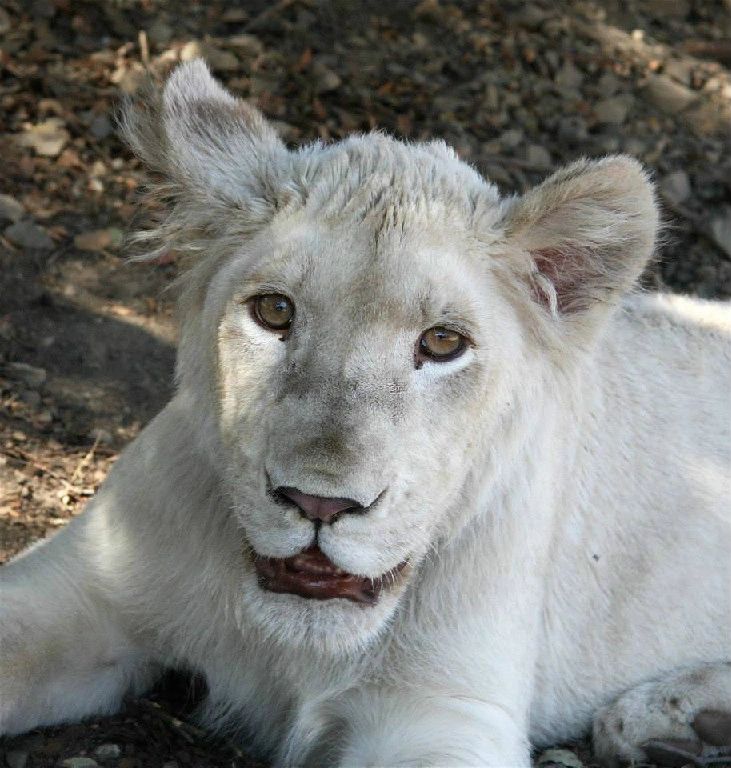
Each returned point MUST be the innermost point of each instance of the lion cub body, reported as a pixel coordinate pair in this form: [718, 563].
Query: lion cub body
[560, 491]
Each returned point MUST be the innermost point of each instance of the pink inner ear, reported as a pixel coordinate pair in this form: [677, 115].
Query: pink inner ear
[568, 270]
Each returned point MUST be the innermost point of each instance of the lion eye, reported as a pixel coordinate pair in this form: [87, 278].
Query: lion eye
[273, 311]
[441, 344]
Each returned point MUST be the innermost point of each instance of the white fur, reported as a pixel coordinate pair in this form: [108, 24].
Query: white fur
[561, 491]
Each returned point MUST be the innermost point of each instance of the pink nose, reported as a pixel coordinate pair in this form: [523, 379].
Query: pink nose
[322, 508]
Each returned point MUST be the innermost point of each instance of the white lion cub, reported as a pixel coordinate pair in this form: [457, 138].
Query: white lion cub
[432, 489]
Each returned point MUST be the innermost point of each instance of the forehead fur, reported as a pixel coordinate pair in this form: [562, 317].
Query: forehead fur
[378, 176]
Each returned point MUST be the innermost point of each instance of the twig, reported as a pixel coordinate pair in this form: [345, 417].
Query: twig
[84, 462]
[144, 48]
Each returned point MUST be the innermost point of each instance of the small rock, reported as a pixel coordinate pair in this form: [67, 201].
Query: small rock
[607, 85]
[511, 138]
[10, 208]
[539, 156]
[16, 758]
[26, 234]
[612, 111]
[159, 32]
[221, 60]
[680, 70]
[605, 143]
[667, 95]
[560, 757]
[47, 138]
[569, 77]
[30, 375]
[5, 22]
[79, 762]
[108, 751]
[572, 129]
[634, 146]
[247, 45]
[30, 397]
[98, 239]
[663, 9]
[101, 127]
[103, 436]
[325, 79]
[234, 15]
[721, 230]
[44, 418]
[676, 187]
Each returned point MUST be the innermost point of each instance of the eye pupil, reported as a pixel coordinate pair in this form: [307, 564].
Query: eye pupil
[441, 344]
[273, 311]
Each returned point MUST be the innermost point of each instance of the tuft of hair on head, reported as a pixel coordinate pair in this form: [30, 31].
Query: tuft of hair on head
[582, 237]
[219, 163]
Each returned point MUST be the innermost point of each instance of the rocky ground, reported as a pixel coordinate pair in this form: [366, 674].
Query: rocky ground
[87, 341]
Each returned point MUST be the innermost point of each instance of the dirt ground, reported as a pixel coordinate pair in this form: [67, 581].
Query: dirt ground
[87, 340]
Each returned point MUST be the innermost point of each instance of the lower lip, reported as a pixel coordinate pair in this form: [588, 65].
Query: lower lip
[312, 575]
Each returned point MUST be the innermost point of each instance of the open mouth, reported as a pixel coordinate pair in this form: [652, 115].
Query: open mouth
[312, 574]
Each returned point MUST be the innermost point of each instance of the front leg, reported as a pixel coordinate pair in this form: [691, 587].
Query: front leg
[410, 728]
[65, 652]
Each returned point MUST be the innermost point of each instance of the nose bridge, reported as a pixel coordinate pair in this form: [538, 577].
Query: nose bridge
[329, 432]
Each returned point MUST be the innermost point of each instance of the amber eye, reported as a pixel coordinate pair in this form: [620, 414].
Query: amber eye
[441, 344]
[273, 311]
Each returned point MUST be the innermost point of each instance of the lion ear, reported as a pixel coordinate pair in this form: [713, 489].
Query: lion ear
[200, 137]
[584, 234]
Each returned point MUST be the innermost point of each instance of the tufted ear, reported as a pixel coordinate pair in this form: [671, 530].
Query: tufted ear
[203, 140]
[584, 234]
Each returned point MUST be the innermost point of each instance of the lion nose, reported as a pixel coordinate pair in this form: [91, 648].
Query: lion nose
[318, 508]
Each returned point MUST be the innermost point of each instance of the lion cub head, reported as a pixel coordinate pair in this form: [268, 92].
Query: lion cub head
[363, 323]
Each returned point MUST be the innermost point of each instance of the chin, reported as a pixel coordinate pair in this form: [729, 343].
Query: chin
[330, 627]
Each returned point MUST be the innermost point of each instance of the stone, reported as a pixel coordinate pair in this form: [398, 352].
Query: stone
[219, 59]
[26, 234]
[10, 208]
[16, 758]
[605, 143]
[667, 95]
[569, 77]
[30, 397]
[96, 240]
[101, 127]
[539, 156]
[159, 32]
[247, 45]
[721, 230]
[680, 70]
[325, 79]
[79, 762]
[30, 375]
[572, 129]
[108, 751]
[47, 138]
[675, 187]
[511, 138]
[607, 85]
[612, 111]
[5, 22]
[559, 757]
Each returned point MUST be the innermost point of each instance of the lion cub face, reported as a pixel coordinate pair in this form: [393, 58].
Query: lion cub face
[361, 333]
[353, 363]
